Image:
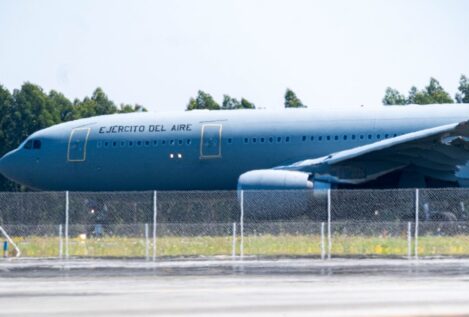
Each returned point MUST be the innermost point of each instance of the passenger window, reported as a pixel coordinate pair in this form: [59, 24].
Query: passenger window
[180, 142]
[362, 137]
[287, 139]
[99, 144]
[230, 141]
[345, 137]
[36, 144]
[378, 136]
[386, 136]
[171, 142]
[131, 144]
[271, 140]
[106, 144]
[246, 140]
[28, 145]
[254, 140]
[369, 136]
[353, 136]
[155, 142]
[320, 138]
[114, 144]
[188, 141]
[336, 137]
[139, 143]
[279, 139]
[147, 143]
[122, 143]
[262, 140]
[312, 138]
[303, 138]
[328, 138]
[163, 142]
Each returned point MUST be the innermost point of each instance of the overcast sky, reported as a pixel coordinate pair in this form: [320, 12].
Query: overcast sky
[159, 53]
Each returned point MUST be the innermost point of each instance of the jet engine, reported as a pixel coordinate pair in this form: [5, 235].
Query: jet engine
[279, 194]
[274, 180]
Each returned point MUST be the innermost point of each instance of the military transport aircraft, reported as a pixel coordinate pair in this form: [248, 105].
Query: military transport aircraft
[408, 146]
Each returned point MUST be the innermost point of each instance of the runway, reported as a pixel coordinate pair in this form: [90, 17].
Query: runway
[223, 287]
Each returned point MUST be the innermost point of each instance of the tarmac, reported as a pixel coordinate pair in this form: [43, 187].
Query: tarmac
[226, 287]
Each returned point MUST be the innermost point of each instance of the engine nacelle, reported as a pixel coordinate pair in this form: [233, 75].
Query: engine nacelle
[279, 194]
[274, 180]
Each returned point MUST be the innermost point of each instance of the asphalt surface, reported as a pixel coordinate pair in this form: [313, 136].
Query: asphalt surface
[221, 287]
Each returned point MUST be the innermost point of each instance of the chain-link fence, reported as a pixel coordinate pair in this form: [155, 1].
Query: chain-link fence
[151, 225]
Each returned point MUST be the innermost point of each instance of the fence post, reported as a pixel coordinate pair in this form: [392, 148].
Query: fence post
[329, 234]
[409, 240]
[416, 238]
[241, 226]
[155, 213]
[323, 247]
[233, 247]
[66, 223]
[147, 243]
[61, 243]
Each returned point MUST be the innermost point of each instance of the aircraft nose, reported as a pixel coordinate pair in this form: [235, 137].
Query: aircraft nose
[2, 166]
[6, 166]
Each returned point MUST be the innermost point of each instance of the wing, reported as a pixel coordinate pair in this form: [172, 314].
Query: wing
[435, 152]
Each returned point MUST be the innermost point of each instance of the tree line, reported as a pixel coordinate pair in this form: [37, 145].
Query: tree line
[204, 100]
[432, 93]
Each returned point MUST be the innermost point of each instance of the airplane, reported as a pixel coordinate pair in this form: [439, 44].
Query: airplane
[310, 149]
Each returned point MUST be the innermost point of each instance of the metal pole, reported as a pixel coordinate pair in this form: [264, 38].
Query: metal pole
[241, 226]
[155, 213]
[5, 234]
[409, 240]
[147, 243]
[323, 247]
[233, 248]
[61, 242]
[416, 238]
[66, 223]
[329, 234]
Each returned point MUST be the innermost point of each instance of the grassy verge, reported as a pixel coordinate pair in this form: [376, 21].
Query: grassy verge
[268, 245]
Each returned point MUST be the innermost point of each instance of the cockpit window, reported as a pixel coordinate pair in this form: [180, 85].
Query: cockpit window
[36, 144]
[28, 145]
[32, 144]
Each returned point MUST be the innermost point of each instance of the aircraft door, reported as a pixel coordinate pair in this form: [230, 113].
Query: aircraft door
[210, 143]
[77, 145]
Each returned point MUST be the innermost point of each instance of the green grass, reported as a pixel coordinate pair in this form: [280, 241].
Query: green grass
[267, 245]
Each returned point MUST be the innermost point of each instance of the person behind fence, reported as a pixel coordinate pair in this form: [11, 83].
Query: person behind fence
[98, 216]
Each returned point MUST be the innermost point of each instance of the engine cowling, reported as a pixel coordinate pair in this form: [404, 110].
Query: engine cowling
[274, 180]
[277, 194]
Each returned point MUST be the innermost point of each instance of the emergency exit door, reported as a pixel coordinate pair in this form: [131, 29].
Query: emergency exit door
[210, 145]
[77, 145]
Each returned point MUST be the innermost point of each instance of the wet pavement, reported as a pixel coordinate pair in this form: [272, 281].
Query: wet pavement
[221, 286]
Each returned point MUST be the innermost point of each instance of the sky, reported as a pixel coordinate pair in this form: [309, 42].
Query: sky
[160, 53]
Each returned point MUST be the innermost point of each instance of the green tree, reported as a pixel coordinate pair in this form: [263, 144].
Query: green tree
[292, 101]
[463, 95]
[412, 93]
[126, 108]
[433, 93]
[245, 104]
[6, 102]
[203, 101]
[393, 97]
[62, 105]
[230, 103]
